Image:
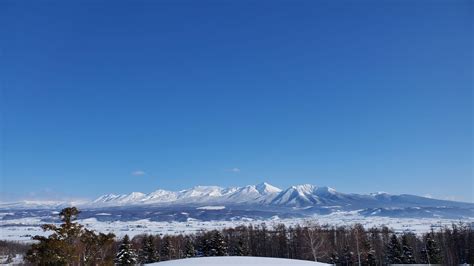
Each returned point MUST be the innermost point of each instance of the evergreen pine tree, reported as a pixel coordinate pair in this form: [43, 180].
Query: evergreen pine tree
[61, 247]
[167, 249]
[189, 250]
[126, 254]
[70, 243]
[431, 253]
[218, 245]
[371, 259]
[205, 245]
[241, 248]
[394, 251]
[407, 255]
[148, 252]
[424, 256]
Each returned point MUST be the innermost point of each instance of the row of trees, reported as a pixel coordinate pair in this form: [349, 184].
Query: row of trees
[70, 243]
[342, 245]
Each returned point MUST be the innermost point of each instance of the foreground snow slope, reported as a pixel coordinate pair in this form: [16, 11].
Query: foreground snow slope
[234, 261]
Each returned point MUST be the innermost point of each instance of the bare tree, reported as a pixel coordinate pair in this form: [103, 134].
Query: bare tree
[359, 233]
[315, 239]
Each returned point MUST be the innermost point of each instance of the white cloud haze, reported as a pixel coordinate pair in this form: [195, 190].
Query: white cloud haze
[138, 173]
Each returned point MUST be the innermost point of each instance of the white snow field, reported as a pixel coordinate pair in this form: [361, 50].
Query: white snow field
[211, 208]
[23, 229]
[234, 261]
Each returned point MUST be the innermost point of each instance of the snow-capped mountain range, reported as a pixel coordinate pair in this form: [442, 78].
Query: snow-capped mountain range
[261, 201]
[251, 194]
[264, 194]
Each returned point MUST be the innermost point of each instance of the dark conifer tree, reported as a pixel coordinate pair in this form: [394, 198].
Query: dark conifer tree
[61, 247]
[205, 245]
[189, 250]
[371, 258]
[394, 251]
[126, 254]
[148, 253]
[407, 251]
[218, 245]
[241, 248]
[167, 249]
[431, 254]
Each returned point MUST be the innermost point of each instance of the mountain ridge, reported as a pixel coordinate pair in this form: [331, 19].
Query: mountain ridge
[262, 194]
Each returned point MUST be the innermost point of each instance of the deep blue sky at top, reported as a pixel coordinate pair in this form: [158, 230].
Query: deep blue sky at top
[361, 96]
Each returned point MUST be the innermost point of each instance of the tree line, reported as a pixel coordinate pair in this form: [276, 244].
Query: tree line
[72, 244]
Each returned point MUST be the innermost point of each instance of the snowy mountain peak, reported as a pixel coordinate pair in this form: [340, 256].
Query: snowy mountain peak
[202, 191]
[304, 189]
[106, 198]
[160, 195]
[134, 196]
[265, 188]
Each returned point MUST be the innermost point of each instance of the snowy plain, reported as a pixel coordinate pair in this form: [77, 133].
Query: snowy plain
[23, 229]
[234, 261]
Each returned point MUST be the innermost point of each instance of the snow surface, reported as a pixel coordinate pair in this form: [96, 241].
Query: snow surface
[211, 208]
[234, 261]
[22, 229]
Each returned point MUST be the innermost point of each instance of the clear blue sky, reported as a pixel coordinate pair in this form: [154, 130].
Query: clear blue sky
[362, 97]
